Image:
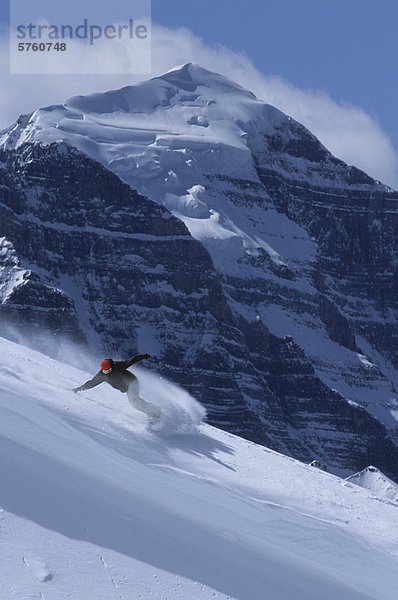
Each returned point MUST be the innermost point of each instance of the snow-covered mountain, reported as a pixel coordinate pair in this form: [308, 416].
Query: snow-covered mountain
[269, 289]
[374, 480]
[92, 505]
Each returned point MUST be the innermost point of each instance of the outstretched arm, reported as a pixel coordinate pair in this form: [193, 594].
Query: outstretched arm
[96, 380]
[125, 364]
[137, 358]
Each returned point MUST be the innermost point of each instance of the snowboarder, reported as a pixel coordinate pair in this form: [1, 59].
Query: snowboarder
[116, 374]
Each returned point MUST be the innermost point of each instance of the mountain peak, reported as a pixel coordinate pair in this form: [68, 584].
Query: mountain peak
[147, 96]
[191, 75]
[186, 70]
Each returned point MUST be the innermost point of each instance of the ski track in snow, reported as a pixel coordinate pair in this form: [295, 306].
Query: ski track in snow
[93, 505]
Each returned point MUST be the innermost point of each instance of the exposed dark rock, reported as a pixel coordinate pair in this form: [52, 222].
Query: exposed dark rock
[337, 326]
[356, 229]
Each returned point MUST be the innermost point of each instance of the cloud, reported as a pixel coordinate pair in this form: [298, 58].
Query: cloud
[347, 131]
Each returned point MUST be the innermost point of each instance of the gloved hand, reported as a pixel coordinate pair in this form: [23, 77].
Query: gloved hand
[147, 356]
[76, 389]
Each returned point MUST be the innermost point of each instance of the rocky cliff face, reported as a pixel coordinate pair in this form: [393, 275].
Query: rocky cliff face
[85, 256]
[27, 303]
[258, 268]
[354, 221]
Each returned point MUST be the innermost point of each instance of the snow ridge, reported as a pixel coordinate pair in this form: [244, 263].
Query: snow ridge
[375, 481]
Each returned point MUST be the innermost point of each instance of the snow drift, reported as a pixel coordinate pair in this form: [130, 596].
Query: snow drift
[180, 412]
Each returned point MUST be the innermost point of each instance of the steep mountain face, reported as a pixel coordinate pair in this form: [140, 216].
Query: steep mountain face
[354, 221]
[261, 270]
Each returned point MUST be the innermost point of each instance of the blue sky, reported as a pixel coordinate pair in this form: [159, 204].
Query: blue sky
[347, 49]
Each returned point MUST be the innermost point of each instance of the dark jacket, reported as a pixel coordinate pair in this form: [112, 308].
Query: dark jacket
[118, 378]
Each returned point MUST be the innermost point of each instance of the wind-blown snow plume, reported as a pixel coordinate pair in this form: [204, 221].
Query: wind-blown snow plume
[181, 413]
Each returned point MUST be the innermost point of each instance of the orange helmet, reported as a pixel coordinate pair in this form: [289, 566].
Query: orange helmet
[106, 365]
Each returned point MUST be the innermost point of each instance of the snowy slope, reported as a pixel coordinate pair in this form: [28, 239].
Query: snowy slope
[133, 128]
[94, 506]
